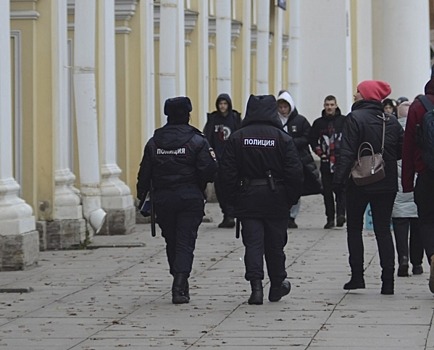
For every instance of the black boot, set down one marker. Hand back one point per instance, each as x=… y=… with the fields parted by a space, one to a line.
x=228 y=222
x=187 y=290
x=356 y=282
x=387 y=287
x=257 y=296
x=388 y=281
x=179 y=288
x=277 y=291
x=403 y=267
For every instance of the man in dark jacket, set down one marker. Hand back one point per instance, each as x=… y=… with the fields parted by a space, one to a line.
x=177 y=162
x=365 y=123
x=298 y=127
x=325 y=139
x=219 y=126
x=412 y=164
x=262 y=177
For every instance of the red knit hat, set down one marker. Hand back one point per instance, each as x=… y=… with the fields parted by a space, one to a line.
x=374 y=90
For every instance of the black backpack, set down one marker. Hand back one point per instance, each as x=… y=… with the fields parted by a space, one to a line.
x=426 y=132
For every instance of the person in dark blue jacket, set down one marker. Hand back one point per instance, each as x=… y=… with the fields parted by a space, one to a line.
x=262 y=177
x=178 y=161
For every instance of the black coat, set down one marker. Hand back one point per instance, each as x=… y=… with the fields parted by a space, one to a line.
x=363 y=125
x=299 y=128
x=325 y=138
x=218 y=127
x=177 y=156
x=258 y=146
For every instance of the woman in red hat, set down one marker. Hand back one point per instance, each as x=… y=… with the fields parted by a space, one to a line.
x=365 y=123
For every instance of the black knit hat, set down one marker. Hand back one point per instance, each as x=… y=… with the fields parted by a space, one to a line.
x=178 y=109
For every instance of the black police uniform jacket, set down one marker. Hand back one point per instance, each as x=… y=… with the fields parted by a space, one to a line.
x=258 y=146
x=178 y=157
x=362 y=124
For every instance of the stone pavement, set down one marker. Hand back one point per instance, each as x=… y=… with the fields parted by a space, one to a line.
x=116 y=295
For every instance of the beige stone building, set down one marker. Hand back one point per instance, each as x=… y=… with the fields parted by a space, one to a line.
x=82 y=83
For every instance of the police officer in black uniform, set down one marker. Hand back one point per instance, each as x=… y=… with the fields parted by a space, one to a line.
x=262 y=176
x=178 y=161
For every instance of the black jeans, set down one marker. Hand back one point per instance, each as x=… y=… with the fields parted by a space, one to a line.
x=179 y=220
x=381 y=207
x=401 y=227
x=423 y=197
x=269 y=237
x=227 y=209
x=330 y=197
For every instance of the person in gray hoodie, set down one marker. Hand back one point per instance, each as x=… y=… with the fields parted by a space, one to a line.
x=404 y=218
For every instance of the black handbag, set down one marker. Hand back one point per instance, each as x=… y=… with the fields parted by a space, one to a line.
x=369 y=169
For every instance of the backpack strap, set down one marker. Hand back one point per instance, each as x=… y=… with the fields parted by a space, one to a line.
x=426 y=102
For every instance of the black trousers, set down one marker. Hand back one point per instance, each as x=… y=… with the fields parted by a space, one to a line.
x=381 y=207
x=227 y=209
x=423 y=197
x=401 y=228
x=179 y=220
x=264 y=237
x=330 y=197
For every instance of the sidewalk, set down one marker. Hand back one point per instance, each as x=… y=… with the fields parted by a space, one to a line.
x=117 y=296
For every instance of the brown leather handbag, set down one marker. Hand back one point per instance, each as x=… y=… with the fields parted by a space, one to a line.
x=369 y=169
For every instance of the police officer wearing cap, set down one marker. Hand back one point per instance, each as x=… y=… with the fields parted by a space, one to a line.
x=262 y=177
x=178 y=161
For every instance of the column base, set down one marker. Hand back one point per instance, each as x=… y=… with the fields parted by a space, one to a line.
x=19 y=251
x=119 y=221
x=63 y=234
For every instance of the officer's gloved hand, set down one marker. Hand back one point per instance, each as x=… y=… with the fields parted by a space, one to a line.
x=144 y=207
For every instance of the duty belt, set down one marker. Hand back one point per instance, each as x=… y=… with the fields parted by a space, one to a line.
x=260 y=182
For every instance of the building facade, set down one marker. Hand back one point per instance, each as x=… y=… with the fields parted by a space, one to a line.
x=82 y=83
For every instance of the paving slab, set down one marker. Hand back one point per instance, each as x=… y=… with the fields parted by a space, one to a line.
x=116 y=294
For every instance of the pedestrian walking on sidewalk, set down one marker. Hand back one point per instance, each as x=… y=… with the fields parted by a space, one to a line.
x=417 y=158
x=178 y=162
x=262 y=177
x=325 y=140
x=366 y=123
x=220 y=124
x=405 y=219
x=298 y=127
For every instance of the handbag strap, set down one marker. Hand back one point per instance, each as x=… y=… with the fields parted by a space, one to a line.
x=383 y=118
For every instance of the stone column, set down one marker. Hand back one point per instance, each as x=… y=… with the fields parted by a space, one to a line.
x=223 y=46
x=401 y=45
x=86 y=113
x=294 y=49
x=168 y=51
x=180 y=43
x=116 y=197
x=19 y=241
x=247 y=50
x=68 y=227
x=203 y=89
x=364 y=37
x=262 y=47
x=148 y=76
x=278 y=48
